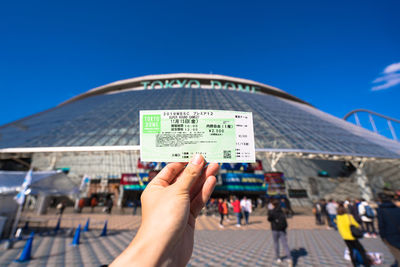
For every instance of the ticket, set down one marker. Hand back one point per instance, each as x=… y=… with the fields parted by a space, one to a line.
x=175 y=135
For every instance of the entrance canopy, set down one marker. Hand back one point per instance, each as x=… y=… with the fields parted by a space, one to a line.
x=45 y=182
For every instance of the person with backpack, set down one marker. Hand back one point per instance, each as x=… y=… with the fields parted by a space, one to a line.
x=278 y=221
x=344 y=222
x=367 y=217
x=353 y=210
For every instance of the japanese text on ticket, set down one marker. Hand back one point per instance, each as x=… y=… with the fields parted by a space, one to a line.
x=175 y=135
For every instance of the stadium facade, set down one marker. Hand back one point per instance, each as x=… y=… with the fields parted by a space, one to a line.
x=96 y=134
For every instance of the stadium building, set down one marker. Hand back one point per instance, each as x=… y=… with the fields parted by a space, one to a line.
x=96 y=135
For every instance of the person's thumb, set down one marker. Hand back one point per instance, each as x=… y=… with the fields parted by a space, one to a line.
x=192 y=172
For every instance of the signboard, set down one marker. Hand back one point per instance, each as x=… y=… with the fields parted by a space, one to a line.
x=192 y=83
x=241 y=181
x=137 y=181
x=297 y=193
x=233 y=177
x=275 y=183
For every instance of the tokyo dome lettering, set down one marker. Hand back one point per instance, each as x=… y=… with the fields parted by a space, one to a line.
x=158 y=84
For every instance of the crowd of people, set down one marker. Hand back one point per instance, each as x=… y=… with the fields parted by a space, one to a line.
x=356 y=218
x=241 y=208
x=352 y=218
x=364 y=213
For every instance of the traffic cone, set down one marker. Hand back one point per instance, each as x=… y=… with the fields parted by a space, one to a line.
x=86 y=228
x=75 y=241
x=104 y=232
x=26 y=252
x=58 y=225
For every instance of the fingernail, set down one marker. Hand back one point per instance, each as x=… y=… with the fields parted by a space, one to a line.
x=197 y=159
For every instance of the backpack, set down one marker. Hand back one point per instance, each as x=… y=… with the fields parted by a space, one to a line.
x=280 y=222
x=369 y=212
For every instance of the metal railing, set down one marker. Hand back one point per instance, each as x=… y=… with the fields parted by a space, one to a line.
x=371 y=115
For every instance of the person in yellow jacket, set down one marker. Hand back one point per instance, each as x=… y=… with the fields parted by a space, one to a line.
x=344 y=220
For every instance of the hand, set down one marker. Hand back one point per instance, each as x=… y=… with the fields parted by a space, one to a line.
x=170 y=204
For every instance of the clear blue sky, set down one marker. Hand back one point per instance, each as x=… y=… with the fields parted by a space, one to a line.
x=327 y=53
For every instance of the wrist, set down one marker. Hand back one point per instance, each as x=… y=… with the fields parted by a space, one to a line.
x=144 y=250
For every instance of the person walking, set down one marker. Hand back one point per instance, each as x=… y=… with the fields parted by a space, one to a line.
x=324 y=213
x=81 y=204
x=223 y=210
x=225 y=207
x=367 y=217
x=230 y=208
x=93 y=203
x=110 y=204
x=60 y=208
x=237 y=210
x=278 y=226
x=246 y=206
x=353 y=210
x=318 y=213
x=344 y=221
x=389 y=225
x=331 y=209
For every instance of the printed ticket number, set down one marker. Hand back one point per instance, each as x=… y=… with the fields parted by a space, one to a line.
x=175 y=135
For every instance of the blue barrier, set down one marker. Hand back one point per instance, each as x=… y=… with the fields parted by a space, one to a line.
x=86 y=228
x=104 y=232
x=75 y=241
x=26 y=252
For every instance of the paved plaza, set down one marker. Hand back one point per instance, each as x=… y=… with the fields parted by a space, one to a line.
x=230 y=246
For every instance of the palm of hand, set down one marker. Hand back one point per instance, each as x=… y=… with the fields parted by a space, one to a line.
x=171 y=204
x=178 y=229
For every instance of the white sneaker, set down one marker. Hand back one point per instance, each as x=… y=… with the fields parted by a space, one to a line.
x=237 y=225
x=221 y=226
x=366 y=235
x=278 y=261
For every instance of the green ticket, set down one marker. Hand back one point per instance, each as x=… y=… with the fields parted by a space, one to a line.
x=175 y=135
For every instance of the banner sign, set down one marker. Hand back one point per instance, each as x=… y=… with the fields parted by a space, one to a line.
x=297 y=193
x=241 y=181
x=234 y=177
x=192 y=83
x=137 y=181
x=275 y=183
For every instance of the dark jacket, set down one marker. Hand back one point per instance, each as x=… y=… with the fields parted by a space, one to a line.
x=277 y=219
x=323 y=209
x=389 y=223
x=353 y=209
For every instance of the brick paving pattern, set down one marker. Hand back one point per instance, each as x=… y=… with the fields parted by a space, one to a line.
x=118 y=221
x=231 y=246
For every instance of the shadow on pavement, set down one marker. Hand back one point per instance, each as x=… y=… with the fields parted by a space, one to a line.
x=297 y=253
